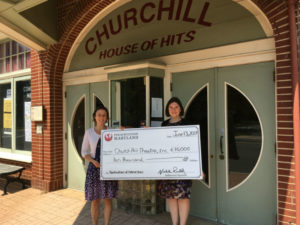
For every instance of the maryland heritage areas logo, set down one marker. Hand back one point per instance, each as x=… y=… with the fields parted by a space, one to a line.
x=121 y=136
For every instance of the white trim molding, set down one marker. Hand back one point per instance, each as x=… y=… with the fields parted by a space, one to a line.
x=16 y=157
x=85 y=76
x=133 y=66
x=30 y=40
x=259 y=15
x=19 y=73
x=236 y=54
x=27 y=4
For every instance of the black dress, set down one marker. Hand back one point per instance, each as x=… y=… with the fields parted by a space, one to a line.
x=178 y=189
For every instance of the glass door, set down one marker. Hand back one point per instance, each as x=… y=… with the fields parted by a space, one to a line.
x=236 y=112
x=246 y=162
x=196 y=90
x=81 y=102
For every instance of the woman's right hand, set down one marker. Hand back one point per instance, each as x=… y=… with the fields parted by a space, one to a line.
x=96 y=164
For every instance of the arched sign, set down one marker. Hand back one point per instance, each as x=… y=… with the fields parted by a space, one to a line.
x=144 y=29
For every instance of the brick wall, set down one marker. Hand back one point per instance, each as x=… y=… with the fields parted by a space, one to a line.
x=47 y=148
x=46 y=81
x=277 y=13
x=67 y=10
x=47 y=70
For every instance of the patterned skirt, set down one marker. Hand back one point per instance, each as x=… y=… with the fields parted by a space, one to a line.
x=178 y=189
x=96 y=188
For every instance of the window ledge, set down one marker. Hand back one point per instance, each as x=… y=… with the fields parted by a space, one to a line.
x=16 y=157
x=17 y=73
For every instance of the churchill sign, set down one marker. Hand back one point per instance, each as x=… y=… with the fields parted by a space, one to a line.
x=147 y=29
x=140 y=29
x=151 y=153
x=149 y=12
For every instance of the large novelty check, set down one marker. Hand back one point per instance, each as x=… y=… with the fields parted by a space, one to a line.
x=151 y=153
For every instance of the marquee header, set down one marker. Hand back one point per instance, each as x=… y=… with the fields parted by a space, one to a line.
x=145 y=14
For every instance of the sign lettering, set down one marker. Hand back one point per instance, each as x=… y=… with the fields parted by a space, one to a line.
x=147 y=13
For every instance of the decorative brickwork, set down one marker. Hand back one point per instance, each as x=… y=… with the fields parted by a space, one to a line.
x=47 y=70
x=277 y=13
x=67 y=10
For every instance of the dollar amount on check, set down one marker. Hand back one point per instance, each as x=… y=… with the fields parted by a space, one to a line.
x=151 y=153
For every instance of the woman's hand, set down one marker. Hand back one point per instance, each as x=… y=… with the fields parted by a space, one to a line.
x=96 y=164
x=89 y=158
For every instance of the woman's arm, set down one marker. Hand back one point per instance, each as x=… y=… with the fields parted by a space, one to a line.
x=85 y=150
x=89 y=158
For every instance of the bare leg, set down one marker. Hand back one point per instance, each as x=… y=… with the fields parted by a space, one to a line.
x=173 y=204
x=107 y=210
x=95 y=211
x=184 y=209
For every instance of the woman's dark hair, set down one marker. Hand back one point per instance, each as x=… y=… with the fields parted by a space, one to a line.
x=174 y=99
x=100 y=108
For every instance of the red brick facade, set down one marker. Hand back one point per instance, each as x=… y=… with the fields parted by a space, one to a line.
x=47 y=70
x=47 y=153
x=278 y=15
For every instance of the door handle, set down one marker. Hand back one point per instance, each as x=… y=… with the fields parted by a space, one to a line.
x=221 y=156
x=221 y=145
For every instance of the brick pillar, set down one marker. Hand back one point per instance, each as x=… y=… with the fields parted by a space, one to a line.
x=47 y=148
x=277 y=12
x=46 y=81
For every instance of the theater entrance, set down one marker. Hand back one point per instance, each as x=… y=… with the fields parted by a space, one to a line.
x=235 y=109
x=134 y=99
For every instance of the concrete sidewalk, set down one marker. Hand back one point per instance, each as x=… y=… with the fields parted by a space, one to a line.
x=66 y=206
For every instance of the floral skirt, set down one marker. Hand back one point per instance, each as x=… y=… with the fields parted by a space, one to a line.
x=96 y=188
x=178 y=189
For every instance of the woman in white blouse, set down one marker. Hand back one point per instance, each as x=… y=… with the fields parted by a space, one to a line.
x=96 y=189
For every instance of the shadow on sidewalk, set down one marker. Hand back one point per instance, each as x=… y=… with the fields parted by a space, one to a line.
x=122 y=218
x=12 y=187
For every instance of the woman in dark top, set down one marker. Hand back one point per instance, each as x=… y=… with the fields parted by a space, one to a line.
x=178 y=192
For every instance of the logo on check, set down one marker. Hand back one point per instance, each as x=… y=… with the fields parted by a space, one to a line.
x=108 y=137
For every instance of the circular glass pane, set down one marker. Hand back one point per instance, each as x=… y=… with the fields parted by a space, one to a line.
x=197 y=114
x=244 y=137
